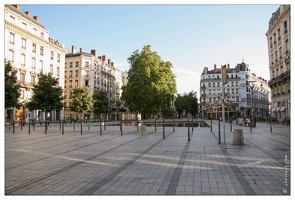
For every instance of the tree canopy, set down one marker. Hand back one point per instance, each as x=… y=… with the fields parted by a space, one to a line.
x=81 y=102
x=11 y=87
x=151 y=85
x=100 y=101
x=187 y=102
x=47 y=95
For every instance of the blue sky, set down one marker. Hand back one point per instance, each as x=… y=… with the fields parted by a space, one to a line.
x=190 y=36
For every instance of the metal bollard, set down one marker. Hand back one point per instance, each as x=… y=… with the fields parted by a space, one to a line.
x=104 y=124
x=211 y=124
x=231 y=126
x=81 y=126
x=173 y=125
x=100 y=125
x=29 y=126
x=121 y=128
x=13 y=126
x=163 y=128
x=155 y=124
x=62 y=128
x=219 y=139
x=192 y=124
x=188 y=131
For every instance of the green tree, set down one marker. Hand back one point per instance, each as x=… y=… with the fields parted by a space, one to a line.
x=47 y=95
x=151 y=86
x=11 y=87
x=187 y=102
x=100 y=102
x=81 y=102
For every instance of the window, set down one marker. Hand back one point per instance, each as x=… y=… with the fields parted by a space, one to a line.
x=77 y=63
x=41 y=35
x=86 y=83
x=51 y=55
x=76 y=73
x=24 y=25
x=71 y=64
x=285 y=26
x=274 y=38
x=270 y=42
x=71 y=74
x=76 y=83
x=237 y=91
x=65 y=65
x=12 y=19
x=65 y=84
x=32 y=79
x=11 y=55
x=24 y=41
x=35 y=31
x=34 y=46
x=11 y=38
x=280 y=52
x=70 y=83
x=23 y=59
x=41 y=50
x=287 y=46
x=87 y=64
x=33 y=63
x=279 y=34
x=51 y=69
x=22 y=78
x=41 y=65
x=57 y=71
x=58 y=57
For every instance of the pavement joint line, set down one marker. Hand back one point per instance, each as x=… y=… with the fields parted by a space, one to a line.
x=117 y=171
x=32 y=181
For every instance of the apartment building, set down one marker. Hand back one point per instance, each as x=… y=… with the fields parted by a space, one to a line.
x=238 y=93
x=279 y=51
x=95 y=72
x=30 y=50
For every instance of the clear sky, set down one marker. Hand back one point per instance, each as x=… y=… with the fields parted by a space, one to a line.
x=190 y=36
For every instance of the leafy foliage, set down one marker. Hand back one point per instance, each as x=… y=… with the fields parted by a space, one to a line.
x=47 y=96
x=100 y=101
x=11 y=87
x=151 y=86
x=187 y=102
x=81 y=101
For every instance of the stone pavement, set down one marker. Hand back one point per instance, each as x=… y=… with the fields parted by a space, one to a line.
x=115 y=164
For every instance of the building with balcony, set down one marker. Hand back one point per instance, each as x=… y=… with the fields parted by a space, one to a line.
x=238 y=93
x=95 y=72
x=279 y=51
x=30 y=50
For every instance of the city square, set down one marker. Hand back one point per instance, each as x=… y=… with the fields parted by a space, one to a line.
x=130 y=164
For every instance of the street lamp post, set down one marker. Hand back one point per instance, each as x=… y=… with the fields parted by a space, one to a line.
x=252 y=120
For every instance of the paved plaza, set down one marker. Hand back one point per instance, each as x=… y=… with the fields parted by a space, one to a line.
x=130 y=164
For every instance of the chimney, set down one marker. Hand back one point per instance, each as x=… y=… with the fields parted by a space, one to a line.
x=36 y=18
x=93 y=52
x=214 y=67
x=99 y=57
x=227 y=66
x=112 y=64
x=103 y=58
x=109 y=61
x=80 y=50
x=28 y=13
x=17 y=6
x=73 y=49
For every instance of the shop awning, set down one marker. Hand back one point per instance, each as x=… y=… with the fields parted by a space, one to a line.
x=283 y=109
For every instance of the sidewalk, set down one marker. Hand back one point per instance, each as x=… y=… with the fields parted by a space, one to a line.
x=111 y=164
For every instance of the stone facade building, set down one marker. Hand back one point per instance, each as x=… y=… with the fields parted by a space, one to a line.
x=95 y=72
x=279 y=51
x=30 y=51
x=238 y=93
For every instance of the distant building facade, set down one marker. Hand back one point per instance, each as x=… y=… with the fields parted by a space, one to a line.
x=30 y=50
x=279 y=51
x=95 y=72
x=238 y=94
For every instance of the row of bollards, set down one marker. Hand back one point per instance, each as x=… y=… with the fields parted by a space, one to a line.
x=102 y=123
